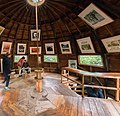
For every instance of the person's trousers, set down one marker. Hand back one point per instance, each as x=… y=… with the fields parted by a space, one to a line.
x=20 y=70
x=6 y=79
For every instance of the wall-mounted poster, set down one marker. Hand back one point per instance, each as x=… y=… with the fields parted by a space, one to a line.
x=21 y=48
x=112 y=44
x=65 y=47
x=35 y=35
x=93 y=16
x=1 y=29
x=49 y=47
x=39 y=59
x=35 y=50
x=85 y=45
x=72 y=63
x=6 y=47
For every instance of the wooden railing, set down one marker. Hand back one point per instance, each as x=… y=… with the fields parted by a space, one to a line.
x=83 y=74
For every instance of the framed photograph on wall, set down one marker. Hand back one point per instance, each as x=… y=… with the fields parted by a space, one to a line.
x=35 y=35
x=1 y=65
x=49 y=47
x=1 y=29
x=39 y=59
x=33 y=50
x=85 y=45
x=112 y=44
x=65 y=47
x=6 y=47
x=72 y=63
x=21 y=48
x=95 y=17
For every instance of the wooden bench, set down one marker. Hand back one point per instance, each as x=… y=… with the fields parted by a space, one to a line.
x=83 y=74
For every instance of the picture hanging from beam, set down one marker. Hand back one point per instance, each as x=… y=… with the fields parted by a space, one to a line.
x=95 y=17
x=35 y=50
x=85 y=45
x=35 y=36
x=112 y=44
x=6 y=47
x=1 y=29
x=21 y=48
x=65 y=47
x=49 y=47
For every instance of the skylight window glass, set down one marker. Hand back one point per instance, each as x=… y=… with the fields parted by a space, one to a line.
x=33 y=2
x=37 y=1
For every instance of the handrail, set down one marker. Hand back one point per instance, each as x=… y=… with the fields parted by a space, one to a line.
x=83 y=74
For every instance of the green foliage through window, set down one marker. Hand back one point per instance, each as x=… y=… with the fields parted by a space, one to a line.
x=17 y=57
x=50 y=58
x=95 y=60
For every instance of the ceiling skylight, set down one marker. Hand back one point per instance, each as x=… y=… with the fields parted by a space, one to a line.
x=33 y=2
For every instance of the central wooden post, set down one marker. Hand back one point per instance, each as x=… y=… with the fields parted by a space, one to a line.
x=39 y=80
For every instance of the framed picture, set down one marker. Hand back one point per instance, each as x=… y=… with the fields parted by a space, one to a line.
x=1 y=65
x=33 y=50
x=39 y=59
x=21 y=48
x=85 y=45
x=65 y=47
x=112 y=44
x=49 y=47
x=93 y=16
x=35 y=35
x=72 y=63
x=1 y=29
x=6 y=47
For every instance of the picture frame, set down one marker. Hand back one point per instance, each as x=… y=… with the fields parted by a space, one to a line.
x=94 y=17
x=85 y=45
x=39 y=59
x=72 y=63
x=1 y=65
x=21 y=48
x=65 y=47
x=1 y=29
x=49 y=47
x=112 y=44
x=35 y=36
x=6 y=47
x=33 y=50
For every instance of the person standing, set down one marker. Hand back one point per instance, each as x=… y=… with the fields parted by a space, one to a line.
x=6 y=69
x=20 y=65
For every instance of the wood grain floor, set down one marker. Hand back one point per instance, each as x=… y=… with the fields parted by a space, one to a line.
x=55 y=100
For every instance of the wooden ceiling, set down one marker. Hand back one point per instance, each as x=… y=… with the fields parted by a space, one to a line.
x=56 y=18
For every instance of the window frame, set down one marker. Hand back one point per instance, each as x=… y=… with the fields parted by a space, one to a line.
x=50 y=55
x=91 y=64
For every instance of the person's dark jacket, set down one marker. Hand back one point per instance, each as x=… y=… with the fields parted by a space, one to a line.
x=25 y=64
x=6 y=65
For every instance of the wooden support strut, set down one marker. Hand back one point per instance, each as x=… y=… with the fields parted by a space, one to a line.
x=82 y=85
x=118 y=89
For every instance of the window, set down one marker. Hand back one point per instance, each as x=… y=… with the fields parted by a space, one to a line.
x=50 y=58
x=94 y=60
x=17 y=58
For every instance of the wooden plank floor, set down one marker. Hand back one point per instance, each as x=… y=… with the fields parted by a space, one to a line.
x=55 y=100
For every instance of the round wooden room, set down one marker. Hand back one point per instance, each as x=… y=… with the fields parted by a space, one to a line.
x=59 y=57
